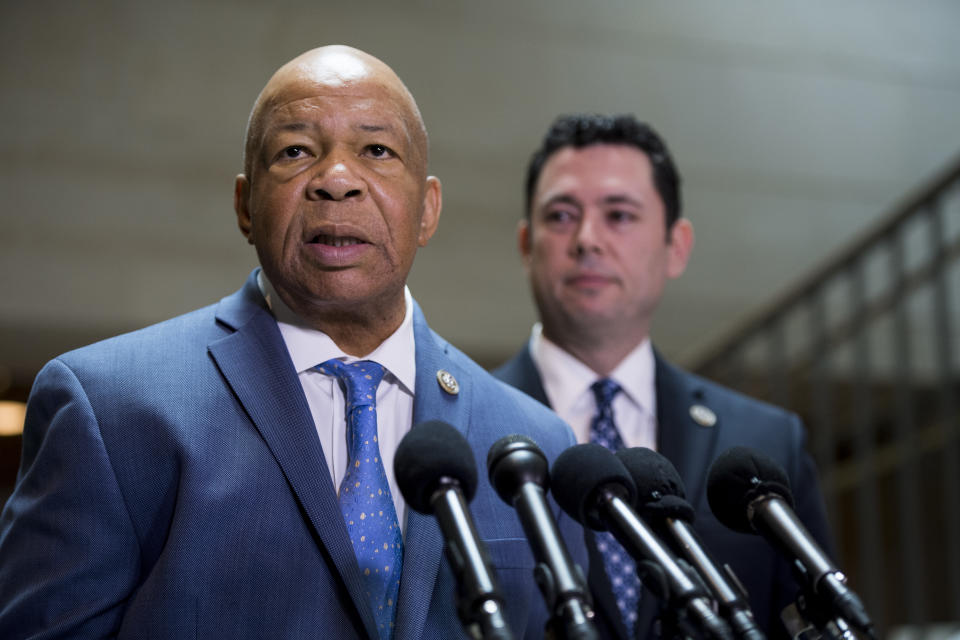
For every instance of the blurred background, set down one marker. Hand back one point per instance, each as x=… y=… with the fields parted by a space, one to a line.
x=819 y=144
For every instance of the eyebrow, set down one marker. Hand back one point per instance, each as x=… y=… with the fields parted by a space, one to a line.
x=373 y=128
x=562 y=198
x=616 y=198
x=622 y=198
x=303 y=126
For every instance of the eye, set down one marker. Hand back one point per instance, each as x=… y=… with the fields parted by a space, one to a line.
x=618 y=216
x=558 y=217
x=379 y=151
x=293 y=152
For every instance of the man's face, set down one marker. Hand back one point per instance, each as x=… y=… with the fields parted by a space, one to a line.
x=596 y=248
x=337 y=201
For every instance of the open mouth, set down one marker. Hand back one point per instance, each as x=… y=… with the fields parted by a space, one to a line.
x=336 y=241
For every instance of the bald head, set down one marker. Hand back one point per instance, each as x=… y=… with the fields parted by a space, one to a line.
x=336 y=68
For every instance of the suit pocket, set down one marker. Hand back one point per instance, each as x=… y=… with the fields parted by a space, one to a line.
x=522 y=605
x=510 y=553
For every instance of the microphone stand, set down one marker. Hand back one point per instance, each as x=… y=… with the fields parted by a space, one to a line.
x=809 y=619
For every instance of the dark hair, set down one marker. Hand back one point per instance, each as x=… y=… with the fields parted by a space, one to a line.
x=582 y=130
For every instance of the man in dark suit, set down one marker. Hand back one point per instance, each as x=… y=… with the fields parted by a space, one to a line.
x=228 y=473
x=601 y=236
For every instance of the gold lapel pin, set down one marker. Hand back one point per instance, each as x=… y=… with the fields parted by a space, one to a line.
x=447 y=382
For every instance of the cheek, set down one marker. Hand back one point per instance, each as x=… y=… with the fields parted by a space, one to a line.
x=275 y=219
x=550 y=254
x=401 y=213
x=650 y=272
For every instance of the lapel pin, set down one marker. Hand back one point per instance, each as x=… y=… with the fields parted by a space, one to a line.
x=703 y=416
x=447 y=382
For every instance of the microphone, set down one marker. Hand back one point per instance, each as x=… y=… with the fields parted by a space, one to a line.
x=591 y=485
x=437 y=475
x=519 y=473
x=661 y=501
x=750 y=493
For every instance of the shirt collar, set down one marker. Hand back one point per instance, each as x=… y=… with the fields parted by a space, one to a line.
x=566 y=379
x=309 y=347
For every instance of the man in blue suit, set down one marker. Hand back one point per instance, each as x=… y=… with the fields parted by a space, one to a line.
x=602 y=235
x=194 y=479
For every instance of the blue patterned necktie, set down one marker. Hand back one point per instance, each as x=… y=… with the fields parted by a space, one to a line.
x=620 y=566
x=365 y=498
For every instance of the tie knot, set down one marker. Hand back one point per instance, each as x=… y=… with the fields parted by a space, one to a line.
x=604 y=390
x=360 y=378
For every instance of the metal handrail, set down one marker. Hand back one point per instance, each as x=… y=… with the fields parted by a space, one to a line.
x=918 y=199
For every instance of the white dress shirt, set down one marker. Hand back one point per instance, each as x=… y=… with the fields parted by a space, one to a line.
x=397 y=354
x=567 y=381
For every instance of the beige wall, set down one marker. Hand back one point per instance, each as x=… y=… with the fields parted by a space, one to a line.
x=794 y=124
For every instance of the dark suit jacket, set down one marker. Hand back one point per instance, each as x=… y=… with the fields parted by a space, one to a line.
x=692 y=448
x=173 y=486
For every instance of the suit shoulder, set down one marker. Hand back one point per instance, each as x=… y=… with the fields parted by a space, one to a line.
x=162 y=335
x=511 y=371
x=714 y=394
x=498 y=403
x=499 y=392
x=740 y=418
x=179 y=343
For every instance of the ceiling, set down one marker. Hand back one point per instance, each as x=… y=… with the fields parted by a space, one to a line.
x=795 y=126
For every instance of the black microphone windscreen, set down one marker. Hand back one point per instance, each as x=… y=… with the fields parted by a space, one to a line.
x=739 y=476
x=660 y=492
x=577 y=475
x=431 y=451
x=514 y=460
x=654 y=475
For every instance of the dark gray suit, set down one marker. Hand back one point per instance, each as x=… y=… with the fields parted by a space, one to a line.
x=692 y=448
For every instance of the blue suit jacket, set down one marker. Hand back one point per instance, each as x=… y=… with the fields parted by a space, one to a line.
x=173 y=486
x=692 y=448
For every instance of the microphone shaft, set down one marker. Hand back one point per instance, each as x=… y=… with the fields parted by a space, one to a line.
x=643 y=545
x=696 y=555
x=638 y=539
x=772 y=515
x=544 y=538
x=567 y=598
x=774 y=518
x=479 y=597
x=732 y=603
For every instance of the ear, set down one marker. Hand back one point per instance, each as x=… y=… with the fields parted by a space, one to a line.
x=241 y=204
x=681 y=244
x=432 y=203
x=524 y=240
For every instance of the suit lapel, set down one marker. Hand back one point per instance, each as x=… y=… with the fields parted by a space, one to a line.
x=687 y=444
x=521 y=373
x=255 y=363
x=423 y=541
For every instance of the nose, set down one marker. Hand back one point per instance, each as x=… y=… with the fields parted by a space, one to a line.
x=586 y=238
x=335 y=179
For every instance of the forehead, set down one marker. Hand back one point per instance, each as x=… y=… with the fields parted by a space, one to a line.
x=307 y=99
x=595 y=170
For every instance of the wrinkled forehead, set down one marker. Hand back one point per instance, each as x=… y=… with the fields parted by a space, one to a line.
x=363 y=94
